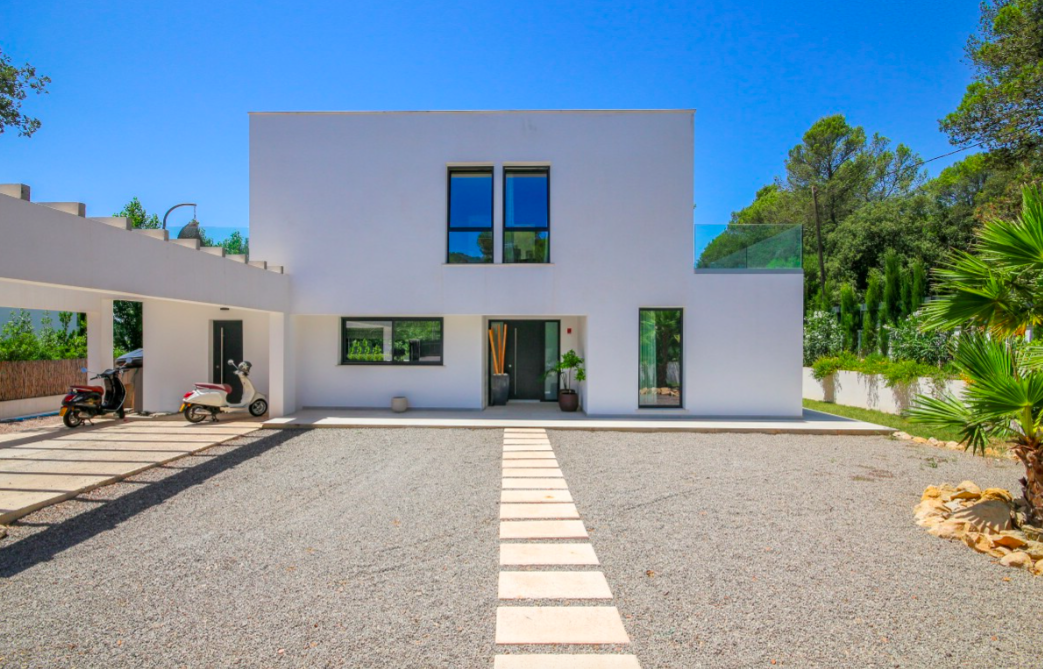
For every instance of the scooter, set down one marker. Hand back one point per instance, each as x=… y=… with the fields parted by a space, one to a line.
x=86 y=402
x=210 y=399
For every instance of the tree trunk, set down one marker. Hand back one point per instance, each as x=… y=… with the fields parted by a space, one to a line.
x=1032 y=484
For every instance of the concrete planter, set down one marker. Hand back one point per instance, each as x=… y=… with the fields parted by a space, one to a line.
x=870 y=391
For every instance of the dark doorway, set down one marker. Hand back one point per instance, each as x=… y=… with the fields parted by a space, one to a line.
x=532 y=348
x=228 y=345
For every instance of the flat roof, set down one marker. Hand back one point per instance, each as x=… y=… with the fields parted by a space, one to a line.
x=490 y=111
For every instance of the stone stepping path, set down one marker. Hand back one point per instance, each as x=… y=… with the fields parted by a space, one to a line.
x=539 y=528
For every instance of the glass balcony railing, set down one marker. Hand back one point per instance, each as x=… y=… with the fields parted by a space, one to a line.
x=748 y=247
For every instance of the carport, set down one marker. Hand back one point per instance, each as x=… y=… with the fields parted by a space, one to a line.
x=53 y=257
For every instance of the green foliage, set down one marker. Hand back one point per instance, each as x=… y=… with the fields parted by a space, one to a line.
x=848 y=314
x=895 y=372
x=822 y=336
x=871 y=318
x=19 y=341
x=127 y=325
x=908 y=340
x=236 y=244
x=15 y=84
x=1002 y=106
x=139 y=218
x=570 y=365
x=892 y=287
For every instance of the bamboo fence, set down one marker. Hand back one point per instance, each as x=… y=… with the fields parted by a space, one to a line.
x=39 y=378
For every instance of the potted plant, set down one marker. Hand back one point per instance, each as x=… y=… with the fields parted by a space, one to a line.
x=499 y=386
x=570 y=363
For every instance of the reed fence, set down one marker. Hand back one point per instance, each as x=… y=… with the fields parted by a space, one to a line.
x=39 y=378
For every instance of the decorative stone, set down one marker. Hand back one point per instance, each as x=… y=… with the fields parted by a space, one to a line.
x=1018 y=560
x=933 y=442
x=902 y=435
x=929 y=507
x=950 y=529
x=954 y=446
x=919 y=440
x=931 y=492
x=1034 y=549
x=1009 y=540
x=1038 y=571
x=967 y=490
x=991 y=515
x=997 y=493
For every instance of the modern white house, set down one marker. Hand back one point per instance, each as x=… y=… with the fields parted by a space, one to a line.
x=398 y=239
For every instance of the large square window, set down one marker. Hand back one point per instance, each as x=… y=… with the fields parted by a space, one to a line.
x=391 y=341
x=526 y=215
x=470 y=215
x=660 y=369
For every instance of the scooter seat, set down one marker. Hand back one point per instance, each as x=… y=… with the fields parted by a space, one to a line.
x=89 y=389
x=215 y=386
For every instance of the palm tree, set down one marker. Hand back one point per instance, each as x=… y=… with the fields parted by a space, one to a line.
x=995 y=295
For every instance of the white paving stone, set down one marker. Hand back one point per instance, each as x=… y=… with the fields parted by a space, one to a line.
x=531 y=555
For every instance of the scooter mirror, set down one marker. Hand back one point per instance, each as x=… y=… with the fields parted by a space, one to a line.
x=83 y=370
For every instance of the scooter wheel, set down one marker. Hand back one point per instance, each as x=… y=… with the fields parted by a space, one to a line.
x=195 y=413
x=259 y=408
x=72 y=419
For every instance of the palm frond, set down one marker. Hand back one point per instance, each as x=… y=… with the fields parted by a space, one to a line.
x=951 y=413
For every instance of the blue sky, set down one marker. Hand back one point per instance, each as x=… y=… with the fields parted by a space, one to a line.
x=151 y=99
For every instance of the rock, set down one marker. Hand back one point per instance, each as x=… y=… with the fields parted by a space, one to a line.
x=931 y=492
x=954 y=446
x=978 y=541
x=953 y=505
x=932 y=441
x=902 y=435
x=929 y=507
x=1038 y=571
x=967 y=490
x=1034 y=549
x=999 y=551
x=919 y=440
x=950 y=529
x=1009 y=540
x=1018 y=560
x=997 y=493
x=991 y=515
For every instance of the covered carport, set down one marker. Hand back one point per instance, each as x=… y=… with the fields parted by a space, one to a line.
x=53 y=257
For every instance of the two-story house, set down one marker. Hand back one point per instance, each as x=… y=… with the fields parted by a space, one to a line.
x=407 y=235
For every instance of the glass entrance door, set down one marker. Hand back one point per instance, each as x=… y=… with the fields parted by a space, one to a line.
x=532 y=348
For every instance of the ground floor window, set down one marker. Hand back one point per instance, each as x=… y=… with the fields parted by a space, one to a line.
x=660 y=357
x=391 y=341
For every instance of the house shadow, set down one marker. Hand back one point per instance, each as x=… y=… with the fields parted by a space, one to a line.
x=44 y=545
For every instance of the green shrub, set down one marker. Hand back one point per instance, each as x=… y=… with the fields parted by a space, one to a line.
x=822 y=336
x=907 y=341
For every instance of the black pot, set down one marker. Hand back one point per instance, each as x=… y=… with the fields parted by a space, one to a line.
x=568 y=400
x=500 y=387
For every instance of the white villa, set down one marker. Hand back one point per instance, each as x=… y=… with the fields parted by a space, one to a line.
x=393 y=241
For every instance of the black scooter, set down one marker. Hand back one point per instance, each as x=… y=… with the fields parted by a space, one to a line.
x=86 y=402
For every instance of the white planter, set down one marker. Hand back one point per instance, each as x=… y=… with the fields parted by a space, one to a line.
x=870 y=391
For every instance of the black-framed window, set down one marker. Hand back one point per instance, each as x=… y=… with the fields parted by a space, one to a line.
x=469 y=227
x=661 y=358
x=526 y=214
x=391 y=341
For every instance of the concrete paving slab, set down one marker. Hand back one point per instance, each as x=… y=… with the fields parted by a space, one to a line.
x=518 y=449
x=542 y=529
x=553 y=585
x=534 y=484
x=59 y=465
x=532 y=555
x=509 y=472
x=529 y=455
x=532 y=464
x=585 y=661
x=535 y=496
x=534 y=511
x=559 y=624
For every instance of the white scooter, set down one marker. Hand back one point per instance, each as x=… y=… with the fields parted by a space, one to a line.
x=209 y=399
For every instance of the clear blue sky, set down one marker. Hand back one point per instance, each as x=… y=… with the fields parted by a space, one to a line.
x=151 y=98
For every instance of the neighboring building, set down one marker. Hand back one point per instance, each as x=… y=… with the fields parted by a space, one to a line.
x=407 y=234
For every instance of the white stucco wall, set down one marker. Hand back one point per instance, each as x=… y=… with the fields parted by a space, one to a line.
x=177 y=344
x=870 y=391
x=355 y=203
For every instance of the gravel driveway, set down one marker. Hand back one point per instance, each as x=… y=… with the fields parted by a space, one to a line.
x=739 y=550
x=371 y=548
x=378 y=548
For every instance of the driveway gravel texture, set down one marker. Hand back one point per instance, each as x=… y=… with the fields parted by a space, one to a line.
x=737 y=550
x=341 y=548
x=378 y=548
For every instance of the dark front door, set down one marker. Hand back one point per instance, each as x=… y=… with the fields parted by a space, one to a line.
x=525 y=359
x=228 y=345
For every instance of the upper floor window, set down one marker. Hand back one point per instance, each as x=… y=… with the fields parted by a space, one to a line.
x=526 y=214
x=470 y=225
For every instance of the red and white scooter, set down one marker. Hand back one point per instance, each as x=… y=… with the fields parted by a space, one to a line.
x=210 y=399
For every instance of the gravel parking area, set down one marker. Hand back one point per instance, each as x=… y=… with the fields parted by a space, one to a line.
x=350 y=548
x=753 y=550
x=378 y=548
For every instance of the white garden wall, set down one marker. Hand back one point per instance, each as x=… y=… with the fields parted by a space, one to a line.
x=870 y=391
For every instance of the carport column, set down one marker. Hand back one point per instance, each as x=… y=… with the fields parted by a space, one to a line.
x=99 y=337
x=282 y=397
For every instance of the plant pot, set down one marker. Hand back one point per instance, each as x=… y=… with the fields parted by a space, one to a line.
x=500 y=388
x=399 y=404
x=568 y=400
